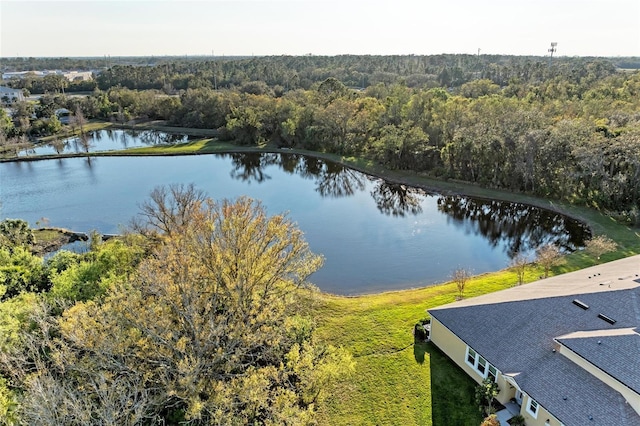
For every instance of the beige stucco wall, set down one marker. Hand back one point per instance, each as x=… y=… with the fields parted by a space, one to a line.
x=456 y=349
x=541 y=419
x=632 y=398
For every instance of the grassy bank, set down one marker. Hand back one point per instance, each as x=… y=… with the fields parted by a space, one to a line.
x=91 y=126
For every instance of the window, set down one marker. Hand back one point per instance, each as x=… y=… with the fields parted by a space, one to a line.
x=532 y=408
x=471 y=356
x=493 y=373
x=481 y=365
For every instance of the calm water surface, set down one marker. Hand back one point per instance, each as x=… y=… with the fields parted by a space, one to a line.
x=106 y=140
x=374 y=235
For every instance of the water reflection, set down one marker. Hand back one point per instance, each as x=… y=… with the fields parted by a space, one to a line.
x=520 y=228
x=396 y=199
x=105 y=140
x=331 y=179
x=250 y=167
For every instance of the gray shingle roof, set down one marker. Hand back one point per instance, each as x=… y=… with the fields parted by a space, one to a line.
x=518 y=338
x=618 y=355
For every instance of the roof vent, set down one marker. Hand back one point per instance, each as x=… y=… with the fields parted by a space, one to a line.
x=606 y=318
x=580 y=304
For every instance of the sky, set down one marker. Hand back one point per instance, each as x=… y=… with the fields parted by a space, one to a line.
x=319 y=27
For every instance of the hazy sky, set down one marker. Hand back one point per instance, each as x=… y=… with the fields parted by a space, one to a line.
x=319 y=27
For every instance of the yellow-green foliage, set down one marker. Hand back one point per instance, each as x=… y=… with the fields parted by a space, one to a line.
x=8 y=405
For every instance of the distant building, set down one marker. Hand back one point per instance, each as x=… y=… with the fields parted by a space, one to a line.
x=69 y=75
x=9 y=95
x=78 y=75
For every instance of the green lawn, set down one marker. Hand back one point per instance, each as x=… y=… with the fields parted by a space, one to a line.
x=397 y=382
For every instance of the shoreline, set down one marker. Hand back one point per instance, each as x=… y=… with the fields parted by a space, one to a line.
x=591 y=218
x=426 y=183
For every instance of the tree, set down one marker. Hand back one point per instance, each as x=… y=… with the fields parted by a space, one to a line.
x=207 y=331
x=21 y=271
x=519 y=263
x=85 y=142
x=485 y=392
x=16 y=232
x=597 y=246
x=548 y=256
x=58 y=145
x=78 y=120
x=460 y=276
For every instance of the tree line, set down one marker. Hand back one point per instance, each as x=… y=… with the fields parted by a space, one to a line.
x=569 y=130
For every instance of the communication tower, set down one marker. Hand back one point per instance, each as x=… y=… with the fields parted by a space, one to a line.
x=552 y=51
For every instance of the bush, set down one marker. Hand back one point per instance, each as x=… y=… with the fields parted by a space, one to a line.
x=490 y=420
x=517 y=420
x=419 y=332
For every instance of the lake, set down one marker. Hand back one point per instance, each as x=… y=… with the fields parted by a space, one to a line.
x=374 y=235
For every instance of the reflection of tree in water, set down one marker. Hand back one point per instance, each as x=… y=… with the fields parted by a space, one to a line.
x=154 y=137
x=335 y=180
x=311 y=167
x=96 y=135
x=396 y=199
x=124 y=139
x=249 y=167
x=332 y=179
x=522 y=227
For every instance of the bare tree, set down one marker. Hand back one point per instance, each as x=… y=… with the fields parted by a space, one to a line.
x=548 y=256
x=73 y=387
x=208 y=329
x=460 y=276
x=597 y=246
x=58 y=145
x=77 y=121
x=519 y=264
x=85 y=142
x=169 y=210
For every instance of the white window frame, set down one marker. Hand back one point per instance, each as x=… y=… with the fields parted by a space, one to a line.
x=494 y=374
x=480 y=367
x=475 y=356
x=533 y=412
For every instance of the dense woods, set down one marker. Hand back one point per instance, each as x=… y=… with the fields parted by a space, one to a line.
x=567 y=129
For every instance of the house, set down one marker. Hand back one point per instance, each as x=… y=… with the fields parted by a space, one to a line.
x=9 y=95
x=563 y=350
x=78 y=75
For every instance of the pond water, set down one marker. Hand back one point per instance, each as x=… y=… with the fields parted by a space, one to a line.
x=374 y=235
x=105 y=140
